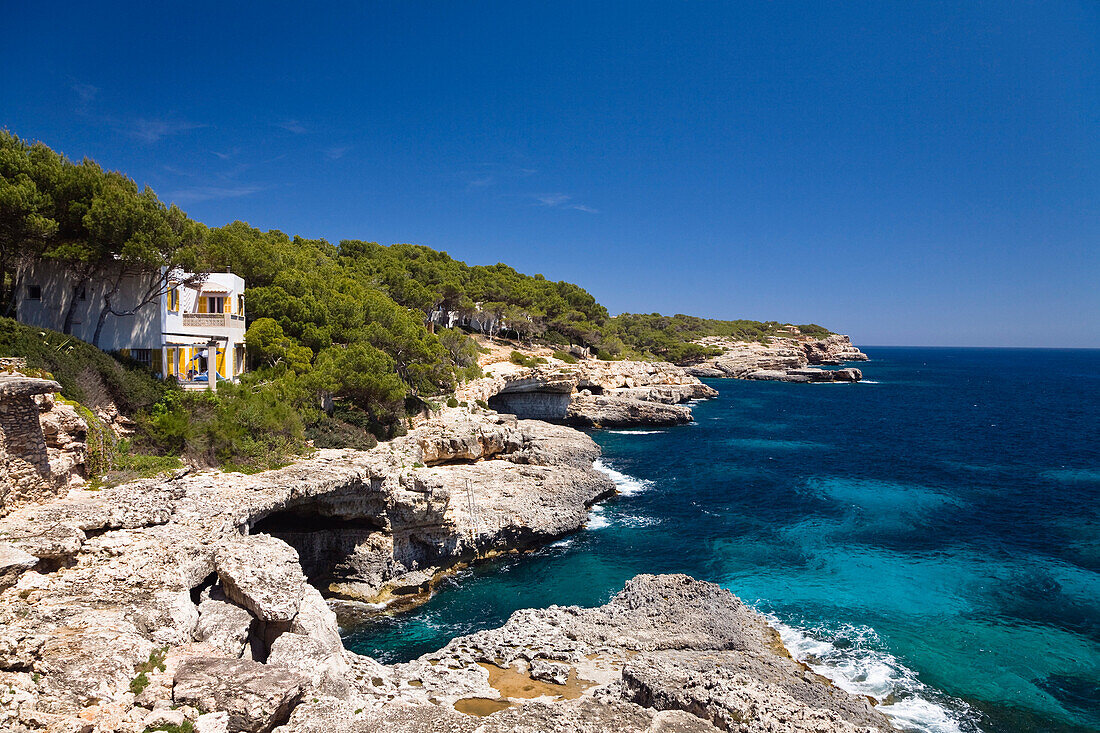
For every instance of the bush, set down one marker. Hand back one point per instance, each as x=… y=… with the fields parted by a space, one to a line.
x=452 y=402
x=332 y=432
x=86 y=375
x=565 y=356
x=526 y=361
x=245 y=427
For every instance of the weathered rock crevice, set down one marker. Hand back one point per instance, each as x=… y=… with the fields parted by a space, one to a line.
x=782 y=359
x=592 y=393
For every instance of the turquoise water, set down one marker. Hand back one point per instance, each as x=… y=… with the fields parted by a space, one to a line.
x=930 y=537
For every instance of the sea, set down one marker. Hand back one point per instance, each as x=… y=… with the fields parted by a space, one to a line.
x=929 y=537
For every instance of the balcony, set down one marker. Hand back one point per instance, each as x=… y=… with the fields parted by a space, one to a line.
x=213 y=320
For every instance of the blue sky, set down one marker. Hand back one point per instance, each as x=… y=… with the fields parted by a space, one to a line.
x=909 y=173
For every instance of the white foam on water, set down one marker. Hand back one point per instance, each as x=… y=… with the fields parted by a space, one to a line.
x=626 y=485
x=636 y=432
x=856 y=666
x=634 y=520
x=867 y=381
x=596 y=519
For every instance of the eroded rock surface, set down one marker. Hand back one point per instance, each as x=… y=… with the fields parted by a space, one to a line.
x=783 y=359
x=106 y=595
x=667 y=653
x=198 y=599
x=591 y=392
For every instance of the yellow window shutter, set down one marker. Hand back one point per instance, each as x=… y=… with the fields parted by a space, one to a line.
x=221 y=363
x=202 y=304
x=156 y=361
x=228 y=305
x=170 y=361
x=183 y=361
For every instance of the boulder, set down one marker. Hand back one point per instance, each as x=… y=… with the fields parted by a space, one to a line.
x=257 y=697
x=224 y=626
x=13 y=563
x=262 y=574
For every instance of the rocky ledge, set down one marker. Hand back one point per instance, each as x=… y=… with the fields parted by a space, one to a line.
x=591 y=393
x=667 y=653
x=784 y=359
x=221 y=575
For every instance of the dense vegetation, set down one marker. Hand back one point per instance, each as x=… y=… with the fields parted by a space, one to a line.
x=343 y=339
x=672 y=338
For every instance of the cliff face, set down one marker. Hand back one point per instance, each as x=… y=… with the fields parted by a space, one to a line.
x=782 y=359
x=591 y=393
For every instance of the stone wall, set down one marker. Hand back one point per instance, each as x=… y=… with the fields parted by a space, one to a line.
x=25 y=474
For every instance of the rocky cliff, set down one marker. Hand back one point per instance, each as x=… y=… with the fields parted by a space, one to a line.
x=591 y=392
x=782 y=359
x=201 y=598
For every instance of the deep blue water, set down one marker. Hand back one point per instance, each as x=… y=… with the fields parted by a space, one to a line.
x=930 y=536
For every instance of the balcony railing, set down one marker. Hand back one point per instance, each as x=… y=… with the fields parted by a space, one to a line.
x=213 y=320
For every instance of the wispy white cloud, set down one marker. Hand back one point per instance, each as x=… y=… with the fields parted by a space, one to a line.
x=293 y=126
x=481 y=182
x=551 y=199
x=151 y=130
x=206 y=193
x=231 y=153
x=337 y=151
x=487 y=175
x=562 y=201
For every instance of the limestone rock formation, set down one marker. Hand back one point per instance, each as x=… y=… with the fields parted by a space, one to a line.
x=667 y=653
x=197 y=598
x=96 y=584
x=784 y=359
x=591 y=392
x=256 y=696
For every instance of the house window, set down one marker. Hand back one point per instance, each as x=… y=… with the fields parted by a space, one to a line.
x=174 y=299
x=215 y=303
x=34 y=292
x=240 y=305
x=142 y=356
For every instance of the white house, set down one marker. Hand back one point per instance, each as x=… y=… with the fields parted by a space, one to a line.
x=184 y=333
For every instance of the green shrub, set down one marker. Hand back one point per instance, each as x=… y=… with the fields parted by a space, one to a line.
x=452 y=402
x=246 y=427
x=330 y=431
x=526 y=361
x=565 y=356
x=185 y=727
x=482 y=404
x=139 y=683
x=86 y=374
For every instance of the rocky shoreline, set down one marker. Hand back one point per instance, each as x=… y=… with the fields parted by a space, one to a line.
x=782 y=359
x=591 y=393
x=207 y=601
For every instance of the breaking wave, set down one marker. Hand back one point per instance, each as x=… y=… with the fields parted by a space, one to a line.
x=625 y=484
x=852 y=658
